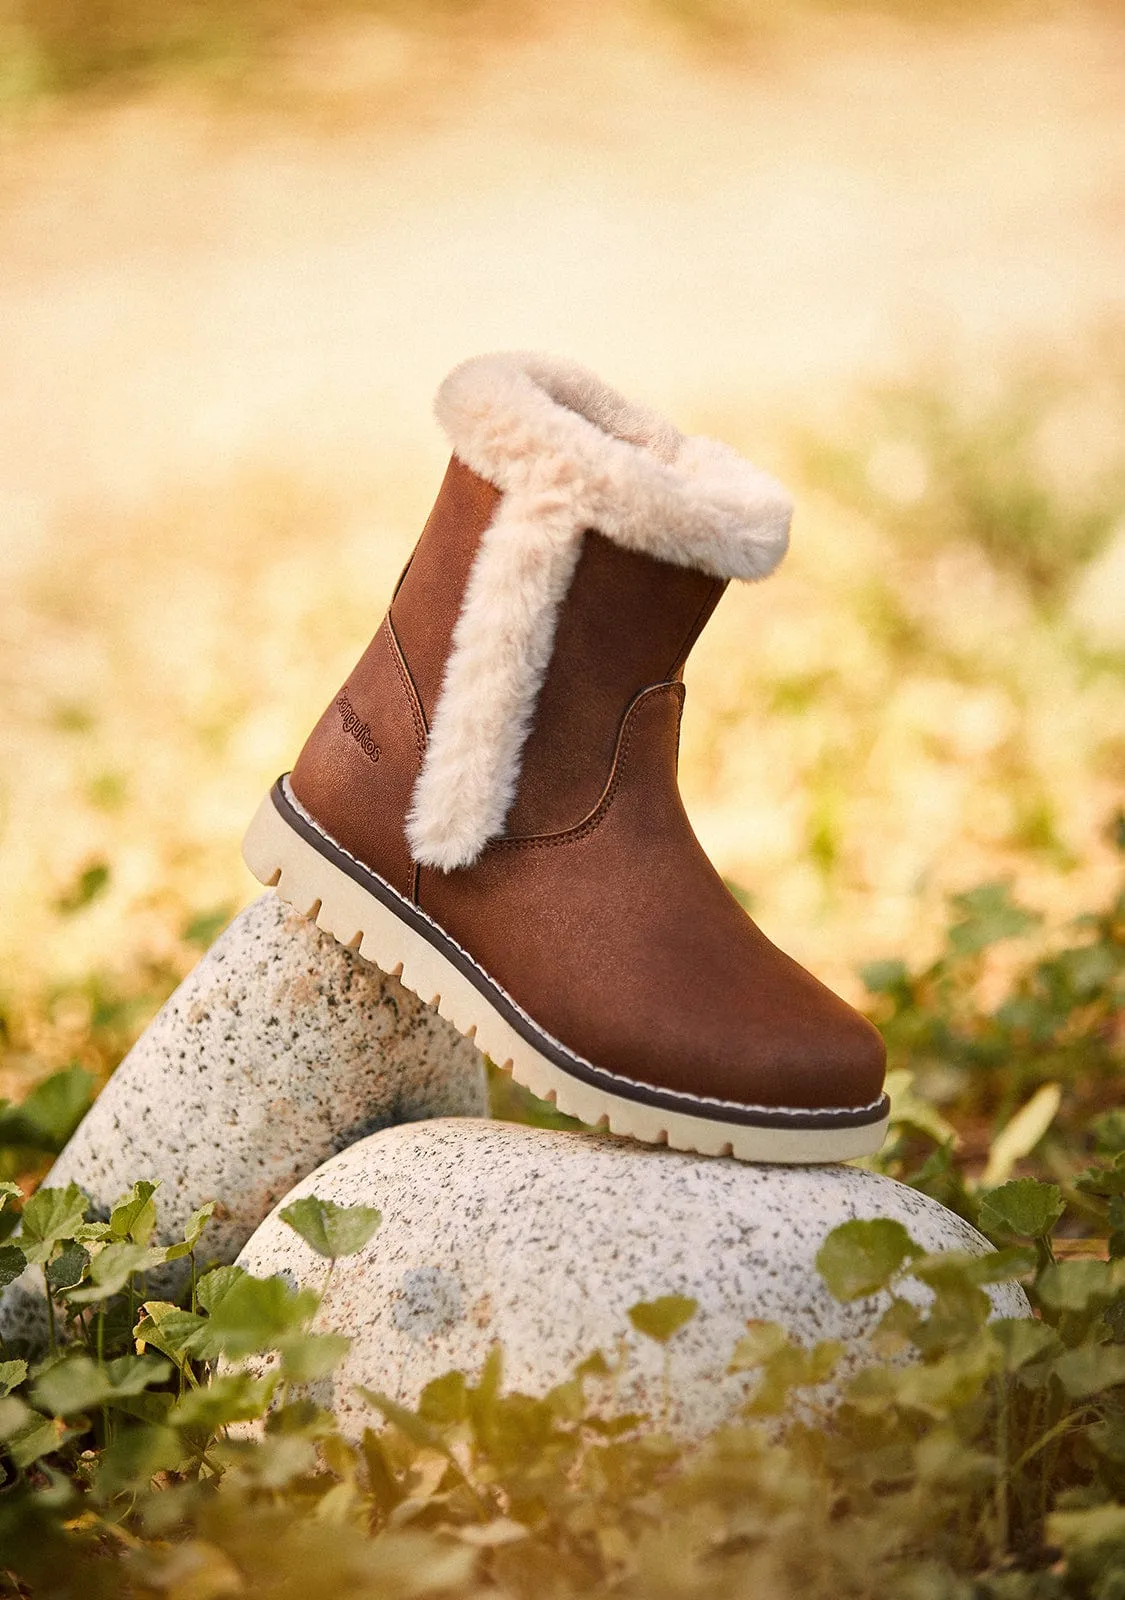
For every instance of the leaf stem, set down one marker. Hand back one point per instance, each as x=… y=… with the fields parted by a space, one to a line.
x=52 y=1337
x=1004 y=1474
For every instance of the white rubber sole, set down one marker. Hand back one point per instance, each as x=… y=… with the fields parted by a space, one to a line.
x=307 y=879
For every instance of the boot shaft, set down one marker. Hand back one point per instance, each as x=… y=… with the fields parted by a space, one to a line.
x=628 y=621
x=540 y=600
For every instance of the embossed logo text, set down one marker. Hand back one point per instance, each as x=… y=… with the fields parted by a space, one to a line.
x=359 y=731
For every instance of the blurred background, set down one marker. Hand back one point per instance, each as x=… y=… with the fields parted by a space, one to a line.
x=878 y=248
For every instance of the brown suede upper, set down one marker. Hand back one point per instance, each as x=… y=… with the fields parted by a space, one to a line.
x=598 y=911
x=652 y=613
x=362 y=803
x=428 y=597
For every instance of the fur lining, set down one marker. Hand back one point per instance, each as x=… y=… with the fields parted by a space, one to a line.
x=568 y=453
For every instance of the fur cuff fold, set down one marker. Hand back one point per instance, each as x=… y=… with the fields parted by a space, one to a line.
x=568 y=454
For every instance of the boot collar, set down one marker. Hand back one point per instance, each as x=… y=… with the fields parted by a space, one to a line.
x=568 y=454
x=551 y=431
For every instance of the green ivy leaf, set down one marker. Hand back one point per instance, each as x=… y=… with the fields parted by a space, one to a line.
x=133 y=1374
x=93 y=1233
x=594 y=1366
x=959 y=1311
x=205 y=926
x=1095 y=1531
x=255 y=1313
x=860 y=1258
x=153 y=1405
x=444 y=1400
x=896 y=1329
x=14 y=1412
x=134 y=1215
x=216 y=1284
x=11 y=1373
x=760 y=1342
x=111 y=1269
x=178 y=1334
x=792 y=1366
x=28 y=1434
x=233 y=1397
x=78 y=1383
x=988 y=914
x=414 y=1426
x=193 y=1232
x=939 y=1177
x=130 y=1462
x=277 y=1461
x=68 y=1268
x=968 y=1267
x=49 y=1216
x=944 y=1461
x=75 y=1383
x=1022 y=1341
x=50 y=1113
x=1091 y=1368
x=308 y=1357
x=660 y=1319
x=958 y=1379
x=1117 y=1227
x=1024 y=1208
x=12 y=1263
x=886 y=977
x=332 y=1230
x=566 y=1400
x=1109 y=1132
x=1107 y=1182
x=1080 y=1285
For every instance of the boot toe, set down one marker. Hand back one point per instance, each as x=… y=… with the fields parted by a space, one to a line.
x=846 y=1067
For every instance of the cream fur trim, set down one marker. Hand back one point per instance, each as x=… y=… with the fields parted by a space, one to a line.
x=569 y=454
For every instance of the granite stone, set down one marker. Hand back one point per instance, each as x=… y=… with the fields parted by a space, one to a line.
x=542 y=1241
x=279 y=1049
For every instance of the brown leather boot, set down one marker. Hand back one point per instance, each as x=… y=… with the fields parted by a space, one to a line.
x=489 y=805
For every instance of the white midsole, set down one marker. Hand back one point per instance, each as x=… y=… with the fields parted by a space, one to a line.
x=278 y=856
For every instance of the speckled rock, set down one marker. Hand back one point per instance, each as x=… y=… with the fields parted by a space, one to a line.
x=542 y=1241
x=279 y=1049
